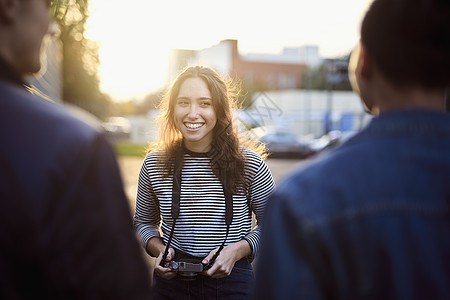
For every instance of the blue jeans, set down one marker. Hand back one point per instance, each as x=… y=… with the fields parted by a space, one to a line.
x=238 y=285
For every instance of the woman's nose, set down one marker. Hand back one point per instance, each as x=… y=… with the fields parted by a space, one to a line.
x=193 y=111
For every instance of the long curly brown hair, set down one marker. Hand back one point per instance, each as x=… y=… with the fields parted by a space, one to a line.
x=227 y=160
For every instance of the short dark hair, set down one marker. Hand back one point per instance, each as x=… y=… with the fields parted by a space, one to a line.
x=410 y=40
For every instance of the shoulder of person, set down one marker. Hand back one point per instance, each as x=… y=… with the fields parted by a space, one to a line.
x=250 y=153
x=154 y=154
x=51 y=120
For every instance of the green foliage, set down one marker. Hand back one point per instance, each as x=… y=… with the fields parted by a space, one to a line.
x=151 y=101
x=80 y=57
x=315 y=78
x=129 y=149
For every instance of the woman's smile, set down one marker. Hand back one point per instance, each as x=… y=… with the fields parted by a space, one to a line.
x=194 y=114
x=193 y=125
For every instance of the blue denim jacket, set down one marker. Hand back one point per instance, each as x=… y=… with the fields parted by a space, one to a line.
x=370 y=220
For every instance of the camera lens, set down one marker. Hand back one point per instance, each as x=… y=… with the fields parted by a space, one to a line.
x=187 y=276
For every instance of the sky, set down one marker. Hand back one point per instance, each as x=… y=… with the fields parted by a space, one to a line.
x=135 y=36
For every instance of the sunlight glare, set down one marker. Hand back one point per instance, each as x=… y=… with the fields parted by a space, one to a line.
x=132 y=62
x=135 y=37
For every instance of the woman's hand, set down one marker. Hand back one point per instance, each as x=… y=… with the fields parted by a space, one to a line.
x=165 y=272
x=224 y=263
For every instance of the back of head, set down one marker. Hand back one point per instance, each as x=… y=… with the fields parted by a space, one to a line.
x=410 y=41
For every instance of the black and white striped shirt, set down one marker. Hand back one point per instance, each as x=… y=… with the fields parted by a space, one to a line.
x=200 y=227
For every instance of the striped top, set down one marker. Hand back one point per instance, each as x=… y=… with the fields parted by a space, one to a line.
x=200 y=227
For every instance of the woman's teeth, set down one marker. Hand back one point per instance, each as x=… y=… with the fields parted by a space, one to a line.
x=193 y=125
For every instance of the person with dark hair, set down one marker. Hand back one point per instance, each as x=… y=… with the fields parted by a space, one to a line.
x=66 y=229
x=203 y=181
x=371 y=219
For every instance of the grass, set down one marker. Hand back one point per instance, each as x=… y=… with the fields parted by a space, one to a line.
x=130 y=149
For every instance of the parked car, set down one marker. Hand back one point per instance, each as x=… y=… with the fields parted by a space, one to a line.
x=117 y=128
x=282 y=143
x=330 y=140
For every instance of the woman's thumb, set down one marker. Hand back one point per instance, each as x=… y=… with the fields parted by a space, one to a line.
x=207 y=259
x=170 y=254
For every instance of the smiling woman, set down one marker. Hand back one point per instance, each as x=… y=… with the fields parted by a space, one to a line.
x=194 y=114
x=220 y=182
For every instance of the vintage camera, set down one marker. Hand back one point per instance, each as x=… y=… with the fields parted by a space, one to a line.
x=187 y=269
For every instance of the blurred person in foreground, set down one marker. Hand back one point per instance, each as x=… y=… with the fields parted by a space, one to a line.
x=65 y=225
x=371 y=220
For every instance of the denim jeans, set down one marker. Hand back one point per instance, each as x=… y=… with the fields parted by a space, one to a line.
x=238 y=285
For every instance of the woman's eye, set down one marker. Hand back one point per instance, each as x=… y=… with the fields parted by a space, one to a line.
x=182 y=102
x=205 y=103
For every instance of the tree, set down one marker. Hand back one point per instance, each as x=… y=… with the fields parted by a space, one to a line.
x=80 y=82
x=151 y=101
x=315 y=78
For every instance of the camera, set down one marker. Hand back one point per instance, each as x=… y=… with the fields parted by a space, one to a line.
x=187 y=269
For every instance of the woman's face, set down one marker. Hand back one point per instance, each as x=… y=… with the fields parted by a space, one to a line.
x=194 y=114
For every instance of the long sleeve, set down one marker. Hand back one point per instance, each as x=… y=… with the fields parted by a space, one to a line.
x=201 y=223
x=147 y=217
x=261 y=188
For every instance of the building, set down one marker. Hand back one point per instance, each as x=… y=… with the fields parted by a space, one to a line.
x=337 y=73
x=306 y=112
x=256 y=71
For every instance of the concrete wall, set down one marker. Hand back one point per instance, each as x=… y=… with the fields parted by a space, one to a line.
x=143 y=128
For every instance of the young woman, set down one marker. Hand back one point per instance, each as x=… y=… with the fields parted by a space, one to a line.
x=203 y=182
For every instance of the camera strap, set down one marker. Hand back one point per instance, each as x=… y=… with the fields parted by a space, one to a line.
x=175 y=208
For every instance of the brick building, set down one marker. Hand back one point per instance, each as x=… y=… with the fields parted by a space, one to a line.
x=257 y=71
